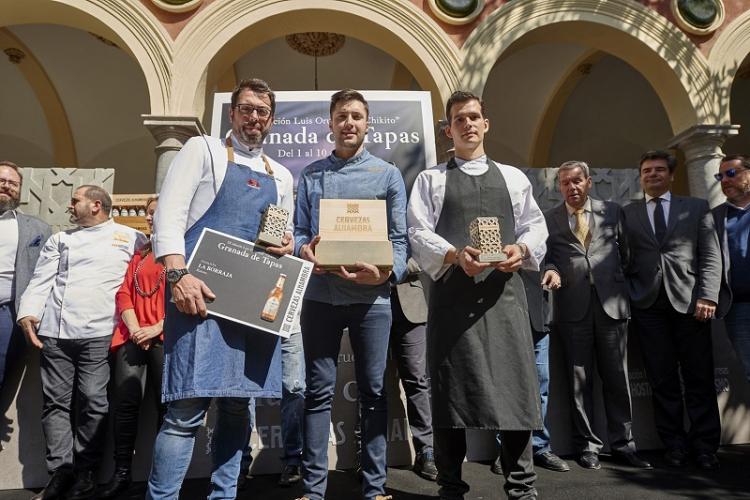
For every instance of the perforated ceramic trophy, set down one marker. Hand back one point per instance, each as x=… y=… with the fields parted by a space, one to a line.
x=484 y=233
x=353 y=231
x=272 y=226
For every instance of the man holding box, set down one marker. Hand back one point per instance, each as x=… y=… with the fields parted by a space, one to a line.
x=479 y=345
x=357 y=299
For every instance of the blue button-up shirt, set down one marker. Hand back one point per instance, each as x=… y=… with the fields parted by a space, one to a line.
x=362 y=177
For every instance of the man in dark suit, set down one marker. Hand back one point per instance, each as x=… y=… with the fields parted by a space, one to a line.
x=586 y=255
x=23 y=238
x=733 y=226
x=674 y=277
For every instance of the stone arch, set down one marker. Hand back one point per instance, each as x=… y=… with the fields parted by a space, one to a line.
x=732 y=47
x=666 y=57
x=63 y=145
x=223 y=31
x=128 y=23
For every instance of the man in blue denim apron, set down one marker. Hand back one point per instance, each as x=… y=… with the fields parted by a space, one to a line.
x=224 y=185
x=359 y=301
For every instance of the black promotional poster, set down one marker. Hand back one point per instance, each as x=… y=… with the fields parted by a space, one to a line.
x=400 y=129
x=252 y=287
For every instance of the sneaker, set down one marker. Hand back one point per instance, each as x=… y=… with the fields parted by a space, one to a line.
x=290 y=475
x=424 y=465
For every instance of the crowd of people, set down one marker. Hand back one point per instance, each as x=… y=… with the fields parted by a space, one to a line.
x=470 y=338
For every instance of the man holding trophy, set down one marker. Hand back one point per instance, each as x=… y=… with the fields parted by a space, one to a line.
x=472 y=224
x=350 y=221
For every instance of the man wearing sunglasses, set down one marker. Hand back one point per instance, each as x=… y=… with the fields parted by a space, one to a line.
x=733 y=225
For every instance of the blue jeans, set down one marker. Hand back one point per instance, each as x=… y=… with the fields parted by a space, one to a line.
x=174 y=446
x=369 y=329
x=540 y=439
x=737 y=322
x=292 y=404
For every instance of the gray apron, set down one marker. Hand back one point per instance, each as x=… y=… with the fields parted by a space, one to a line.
x=480 y=349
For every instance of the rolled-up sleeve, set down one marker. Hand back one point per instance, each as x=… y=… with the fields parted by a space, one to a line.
x=531 y=229
x=427 y=247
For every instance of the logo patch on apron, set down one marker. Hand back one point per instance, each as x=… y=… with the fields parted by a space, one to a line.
x=253 y=183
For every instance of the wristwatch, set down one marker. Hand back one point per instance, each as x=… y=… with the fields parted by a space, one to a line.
x=525 y=254
x=175 y=275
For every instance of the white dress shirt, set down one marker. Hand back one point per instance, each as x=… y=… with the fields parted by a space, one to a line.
x=188 y=189
x=426 y=203
x=76 y=278
x=8 y=249
x=666 y=201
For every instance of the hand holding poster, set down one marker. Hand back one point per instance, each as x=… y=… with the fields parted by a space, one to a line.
x=252 y=287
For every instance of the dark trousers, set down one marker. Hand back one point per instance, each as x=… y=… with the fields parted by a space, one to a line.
x=11 y=340
x=515 y=456
x=674 y=345
x=74 y=373
x=133 y=369
x=598 y=337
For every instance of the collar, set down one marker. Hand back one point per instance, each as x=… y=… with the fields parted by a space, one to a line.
x=743 y=209
x=8 y=214
x=362 y=156
x=244 y=150
x=586 y=207
x=664 y=197
x=478 y=165
x=101 y=225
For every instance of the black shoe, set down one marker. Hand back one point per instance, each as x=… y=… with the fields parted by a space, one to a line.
x=290 y=475
x=84 y=487
x=549 y=460
x=707 y=461
x=424 y=465
x=497 y=467
x=118 y=484
x=632 y=459
x=589 y=460
x=58 y=485
x=675 y=458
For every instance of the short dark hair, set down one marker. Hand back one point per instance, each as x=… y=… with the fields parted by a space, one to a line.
x=259 y=87
x=744 y=159
x=659 y=154
x=98 y=193
x=10 y=164
x=346 y=95
x=461 y=96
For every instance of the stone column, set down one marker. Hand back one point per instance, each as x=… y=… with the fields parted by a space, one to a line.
x=701 y=145
x=170 y=132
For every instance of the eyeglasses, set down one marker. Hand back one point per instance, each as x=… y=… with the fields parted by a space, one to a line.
x=730 y=172
x=247 y=110
x=11 y=183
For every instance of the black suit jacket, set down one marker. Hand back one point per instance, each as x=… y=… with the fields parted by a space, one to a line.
x=725 y=291
x=687 y=262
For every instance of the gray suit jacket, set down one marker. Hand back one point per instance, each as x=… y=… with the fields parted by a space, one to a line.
x=601 y=265
x=537 y=301
x=32 y=234
x=725 y=291
x=687 y=262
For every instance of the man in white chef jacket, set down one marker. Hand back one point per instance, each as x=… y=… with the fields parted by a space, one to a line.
x=68 y=312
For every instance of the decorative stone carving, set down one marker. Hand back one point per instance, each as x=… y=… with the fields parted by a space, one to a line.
x=484 y=233
x=316 y=43
x=620 y=185
x=46 y=192
x=15 y=55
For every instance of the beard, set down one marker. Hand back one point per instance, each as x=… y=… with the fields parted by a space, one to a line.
x=251 y=141
x=9 y=203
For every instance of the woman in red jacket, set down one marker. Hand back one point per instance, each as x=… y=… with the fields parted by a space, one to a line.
x=138 y=353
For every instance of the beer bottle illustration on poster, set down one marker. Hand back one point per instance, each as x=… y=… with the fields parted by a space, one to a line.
x=271 y=307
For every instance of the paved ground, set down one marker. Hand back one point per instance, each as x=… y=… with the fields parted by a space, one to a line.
x=612 y=482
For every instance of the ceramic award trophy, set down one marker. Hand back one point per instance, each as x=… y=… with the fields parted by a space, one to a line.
x=485 y=237
x=353 y=231
x=272 y=226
